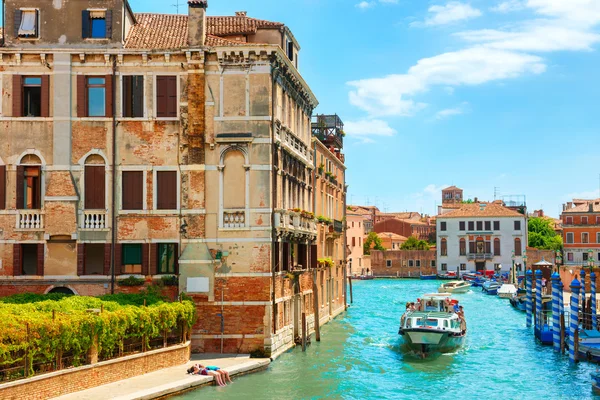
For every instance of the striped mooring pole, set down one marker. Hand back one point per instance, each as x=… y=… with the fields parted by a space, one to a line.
x=561 y=297
x=538 y=300
x=556 y=311
x=593 y=288
x=528 y=278
x=574 y=325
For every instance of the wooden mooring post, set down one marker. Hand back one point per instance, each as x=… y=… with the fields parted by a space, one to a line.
x=576 y=344
x=562 y=333
x=350 y=284
x=315 y=300
x=303 y=331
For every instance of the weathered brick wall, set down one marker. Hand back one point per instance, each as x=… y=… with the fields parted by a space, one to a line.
x=68 y=381
x=401 y=263
x=82 y=289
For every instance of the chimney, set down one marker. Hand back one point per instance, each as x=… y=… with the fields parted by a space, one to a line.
x=569 y=205
x=591 y=206
x=241 y=13
x=197 y=22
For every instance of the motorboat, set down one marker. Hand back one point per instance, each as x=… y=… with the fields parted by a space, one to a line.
x=365 y=277
x=428 y=277
x=448 y=276
x=454 y=287
x=589 y=345
x=478 y=281
x=507 y=290
x=518 y=301
x=490 y=287
x=434 y=327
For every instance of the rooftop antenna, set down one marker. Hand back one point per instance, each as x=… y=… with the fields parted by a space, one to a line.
x=496 y=192
x=176 y=5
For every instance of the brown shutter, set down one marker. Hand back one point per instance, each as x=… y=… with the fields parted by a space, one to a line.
x=2 y=187
x=286 y=256
x=17 y=106
x=313 y=256
x=40 y=259
x=471 y=247
x=107 y=253
x=137 y=96
x=127 y=96
x=81 y=96
x=276 y=255
x=161 y=96
x=109 y=22
x=166 y=187
x=45 y=111
x=108 y=96
x=488 y=247
x=18 y=17
x=80 y=259
x=145 y=260
x=20 y=187
x=85 y=24
x=153 y=258
x=37 y=201
x=118 y=259
x=172 y=96
x=95 y=188
x=17 y=267
x=100 y=193
x=133 y=193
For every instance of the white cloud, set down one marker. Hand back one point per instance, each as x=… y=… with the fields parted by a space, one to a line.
x=392 y=95
x=453 y=11
x=368 y=127
x=363 y=5
x=586 y=12
x=449 y=112
x=509 y=6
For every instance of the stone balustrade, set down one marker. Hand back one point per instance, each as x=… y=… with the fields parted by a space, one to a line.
x=30 y=219
x=94 y=219
x=234 y=219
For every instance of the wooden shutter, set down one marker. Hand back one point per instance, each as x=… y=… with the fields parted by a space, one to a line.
x=172 y=96
x=137 y=96
x=81 y=97
x=2 y=187
x=17 y=105
x=133 y=193
x=127 y=96
x=109 y=22
x=80 y=259
x=276 y=255
x=302 y=256
x=118 y=259
x=17 y=255
x=176 y=258
x=45 y=100
x=37 y=201
x=153 y=259
x=18 y=17
x=161 y=96
x=95 y=197
x=471 y=247
x=107 y=253
x=108 y=96
x=40 y=259
x=286 y=256
x=166 y=188
x=145 y=258
x=20 y=187
x=313 y=256
x=488 y=247
x=85 y=24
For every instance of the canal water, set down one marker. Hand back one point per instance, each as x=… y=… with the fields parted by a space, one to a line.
x=359 y=357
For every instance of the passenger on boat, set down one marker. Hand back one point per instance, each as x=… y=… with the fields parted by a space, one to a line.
x=456 y=307
x=412 y=307
x=461 y=317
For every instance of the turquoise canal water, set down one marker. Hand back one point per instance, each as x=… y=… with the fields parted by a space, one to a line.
x=359 y=357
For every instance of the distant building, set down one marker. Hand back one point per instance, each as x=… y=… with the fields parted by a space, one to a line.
x=581 y=231
x=452 y=198
x=391 y=241
x=355 y=232
x=403 y=263
x=417 y=228
x=480 y=236
x=369 y=212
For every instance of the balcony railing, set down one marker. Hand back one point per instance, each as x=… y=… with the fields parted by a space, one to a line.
x=480 y=256
x=94 y=219
x=294 y=222
x=234 y=219
x=30 y=219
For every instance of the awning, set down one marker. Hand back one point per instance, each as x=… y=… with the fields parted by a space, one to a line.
x=98 y=14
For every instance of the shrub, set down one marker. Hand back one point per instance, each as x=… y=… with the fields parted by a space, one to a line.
x=131 y=281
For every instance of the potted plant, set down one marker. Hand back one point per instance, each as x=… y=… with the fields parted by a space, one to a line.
x=321 y=169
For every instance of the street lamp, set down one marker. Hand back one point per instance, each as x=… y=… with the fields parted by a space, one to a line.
x=558 y=258
x=512 y=269
x=590 y=260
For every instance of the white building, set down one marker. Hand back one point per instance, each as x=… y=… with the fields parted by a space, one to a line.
x=480 y=236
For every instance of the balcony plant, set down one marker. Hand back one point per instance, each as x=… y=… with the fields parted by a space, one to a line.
x=324 y=220
x=325 y=262
x=328 y=174
x=307 y=214
x=321 y=169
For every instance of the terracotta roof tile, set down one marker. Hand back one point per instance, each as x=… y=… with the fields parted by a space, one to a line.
x=585 y=207
x=481 y=210
x=237 y=25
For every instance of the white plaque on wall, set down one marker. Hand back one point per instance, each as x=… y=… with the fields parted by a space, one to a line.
x=197 y=285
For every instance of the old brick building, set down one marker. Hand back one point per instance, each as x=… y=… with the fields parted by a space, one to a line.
x=403 y=263
x=153 y=145
x=581 y=232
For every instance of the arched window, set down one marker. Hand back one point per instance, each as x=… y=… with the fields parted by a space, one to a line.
x=518 y=250
x=463 y=247
x=444 y=247
x=29 y=183
x=497 y=246
x=480 y=245
x=94 y=183
x=234 y=188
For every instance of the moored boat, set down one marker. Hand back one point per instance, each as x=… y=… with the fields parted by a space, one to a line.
x=433 y=327
x=428 y=277
x=490 y=287
x=455 y=287
x=448 y=276
x=507 y=291
x=518 y=301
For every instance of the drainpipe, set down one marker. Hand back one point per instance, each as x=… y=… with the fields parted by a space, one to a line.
x=113 y=232
x=274 y=72
x=3 y=24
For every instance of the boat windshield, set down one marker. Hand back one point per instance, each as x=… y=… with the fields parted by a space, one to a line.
x=427 y=322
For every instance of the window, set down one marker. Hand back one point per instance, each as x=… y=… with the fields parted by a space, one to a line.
x=497 y=246
x=167 y=258
x=496 y=225
x=471 y=247
x=433 y=263
x=444 y=267
x=95 y=198
x=488 y=225
x=94 y=258
x=463 y=247
x=29 y=188
x=418 y=263
x=411 y=263
x=353 y=241
x=30 y=259
x=31 y=96
x=585 y=256
x=27 y=23
x=597 y=220
x=569 y=220
x=353 y=224
x=518 y=250
x=132 y=190
x=597 y=234
x=131 y=259
x=166 y=190
x=166 y=96
x=290 y=49
x=388 y=263
x=442 y=226
x=584 y=220
x=2 y=187
x=461 y=225
x=444 y=247
x=133 y=96
x=463 y=267
x=96 y=24
x=585 y=237
x=570 y=237
x=517 y=225
x=569 y=256
x=479 y=225
x=96 y=97
x=471 y=225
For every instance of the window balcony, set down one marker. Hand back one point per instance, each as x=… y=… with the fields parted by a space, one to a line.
x=234 y=219
x=295 y=223
x=94 y=220
x=480 y=256
x=30 y=220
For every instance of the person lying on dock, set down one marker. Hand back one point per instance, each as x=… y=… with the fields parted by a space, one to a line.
x=224 y=374
x=196 y=370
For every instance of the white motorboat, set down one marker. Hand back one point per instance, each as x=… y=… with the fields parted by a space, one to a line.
x=433 y=327
x=455 y=287
x=507 y=291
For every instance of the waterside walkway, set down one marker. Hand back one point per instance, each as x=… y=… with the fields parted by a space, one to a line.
x=170 y=380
